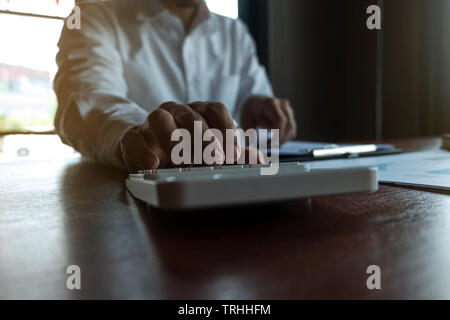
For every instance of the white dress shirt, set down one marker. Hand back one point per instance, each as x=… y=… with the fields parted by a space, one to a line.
x=130 y=56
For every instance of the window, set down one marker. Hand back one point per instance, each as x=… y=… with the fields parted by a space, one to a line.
x=27 y=63
x=29 y=32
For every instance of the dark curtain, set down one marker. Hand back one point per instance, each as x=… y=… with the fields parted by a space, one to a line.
x=416 y=68
x=350 y=83
x=324 y=59
x=255 y=15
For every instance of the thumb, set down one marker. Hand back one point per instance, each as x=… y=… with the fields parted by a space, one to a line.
x=137 y=155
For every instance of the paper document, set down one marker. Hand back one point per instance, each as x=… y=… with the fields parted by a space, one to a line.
x=429 y=169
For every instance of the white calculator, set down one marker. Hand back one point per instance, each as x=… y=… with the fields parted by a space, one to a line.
x=205 y=187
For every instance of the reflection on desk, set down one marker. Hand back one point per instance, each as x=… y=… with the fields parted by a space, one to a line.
x=73 y=212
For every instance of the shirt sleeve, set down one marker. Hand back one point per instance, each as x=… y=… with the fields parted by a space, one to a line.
x=254 y=79
x=93 y=109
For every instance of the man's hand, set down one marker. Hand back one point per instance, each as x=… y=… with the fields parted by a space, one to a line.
x=149 y=146
x=269 y=113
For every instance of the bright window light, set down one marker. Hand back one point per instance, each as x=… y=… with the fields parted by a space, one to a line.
x=28 y=48
x=228 y=8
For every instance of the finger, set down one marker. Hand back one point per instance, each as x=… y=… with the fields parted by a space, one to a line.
x=130 y=166
x=291 y=126
x=217 y=116
x=186 y=117
x=136 y=154
x=157 y=133
x=274 y=116
x=252 y=156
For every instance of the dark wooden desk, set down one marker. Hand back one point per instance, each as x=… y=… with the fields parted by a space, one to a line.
x=64 y=212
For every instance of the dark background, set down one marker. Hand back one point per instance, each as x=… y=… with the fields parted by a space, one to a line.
x=350 y=83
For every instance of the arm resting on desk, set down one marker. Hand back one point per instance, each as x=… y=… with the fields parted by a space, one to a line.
x=93 y=112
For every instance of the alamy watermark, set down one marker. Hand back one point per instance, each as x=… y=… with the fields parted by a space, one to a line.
x=73 y=281
x=214 y=154
x=374 y=20
x=374 y=280
x=73 y=21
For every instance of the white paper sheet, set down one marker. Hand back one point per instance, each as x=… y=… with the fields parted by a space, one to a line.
x=294 y=147
x=429 y=169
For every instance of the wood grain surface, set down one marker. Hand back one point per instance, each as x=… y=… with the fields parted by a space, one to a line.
x=61 y=212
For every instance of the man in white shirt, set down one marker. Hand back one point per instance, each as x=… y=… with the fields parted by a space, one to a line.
x=129 y=77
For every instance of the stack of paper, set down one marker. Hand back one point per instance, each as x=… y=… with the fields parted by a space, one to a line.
x=425 y=169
